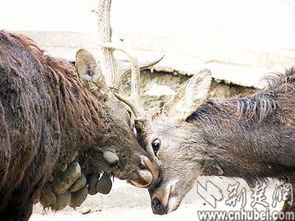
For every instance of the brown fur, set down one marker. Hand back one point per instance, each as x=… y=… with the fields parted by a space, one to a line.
x=46 y=114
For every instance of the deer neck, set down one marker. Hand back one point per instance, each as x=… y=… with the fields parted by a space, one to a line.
x=78 y=112
x=239 y=145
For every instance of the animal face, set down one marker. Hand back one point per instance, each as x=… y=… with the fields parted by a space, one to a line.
x=175 y=144
x=118 y=151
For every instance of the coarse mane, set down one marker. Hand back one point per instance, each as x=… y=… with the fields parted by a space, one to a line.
x=23 y=40
x=47 y=114
x=278 y=96
x=261 y=104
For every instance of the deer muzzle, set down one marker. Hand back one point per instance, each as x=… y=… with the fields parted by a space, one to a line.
x=163 y=198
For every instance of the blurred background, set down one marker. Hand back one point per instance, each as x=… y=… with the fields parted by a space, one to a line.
x=239 y=41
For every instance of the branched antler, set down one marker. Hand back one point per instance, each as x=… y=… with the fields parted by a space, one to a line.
x=115 y=70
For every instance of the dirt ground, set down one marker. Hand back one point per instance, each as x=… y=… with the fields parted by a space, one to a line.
x=124 y=201
x=114 y=214
x=128 y=202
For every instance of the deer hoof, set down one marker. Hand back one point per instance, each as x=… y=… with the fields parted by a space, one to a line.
x=92 y=183
x=104 y=185
x=79 y=197
x=110 y=157
x=79 y=184
x=47 y=197
x=62 y=200
x=64 y=180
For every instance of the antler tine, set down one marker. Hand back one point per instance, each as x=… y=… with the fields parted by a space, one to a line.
x=108 y=63
x=142 y=65
x=125 y=67
x=135 y=103
x=113 y=70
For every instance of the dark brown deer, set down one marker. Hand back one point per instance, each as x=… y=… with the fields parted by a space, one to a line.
x=251 y=137
x=48 y=113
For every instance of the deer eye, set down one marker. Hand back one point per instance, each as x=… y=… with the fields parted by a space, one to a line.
x=156 y=145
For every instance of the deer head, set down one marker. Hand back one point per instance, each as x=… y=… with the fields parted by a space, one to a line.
x=171 y=141
x=121 y=155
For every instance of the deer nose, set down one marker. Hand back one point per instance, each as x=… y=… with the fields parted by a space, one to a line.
x=158 y=207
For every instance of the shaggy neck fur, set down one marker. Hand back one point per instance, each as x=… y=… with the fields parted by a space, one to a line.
x=46 y=114
x=251 y=137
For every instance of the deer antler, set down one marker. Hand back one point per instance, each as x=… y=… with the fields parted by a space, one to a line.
x=116 y=70
x=135 y=101
x=107 y=61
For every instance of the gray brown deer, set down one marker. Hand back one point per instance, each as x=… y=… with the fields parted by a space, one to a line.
x=53 y=109
x=251 y=137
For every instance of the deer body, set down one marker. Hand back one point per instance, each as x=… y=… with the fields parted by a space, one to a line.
x=47 y=114
x=251 y=137
x=54 y=112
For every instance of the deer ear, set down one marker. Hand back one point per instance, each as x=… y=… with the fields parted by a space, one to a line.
x=89 y=71
x=189 y=97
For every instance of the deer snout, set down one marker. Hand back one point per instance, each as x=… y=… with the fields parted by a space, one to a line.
x=158 y=207
x=162 y=201
x=147 y=173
